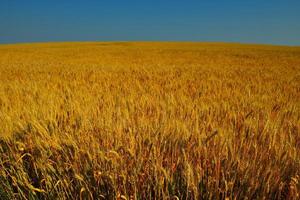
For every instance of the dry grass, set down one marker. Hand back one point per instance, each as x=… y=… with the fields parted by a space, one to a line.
x=149 y=121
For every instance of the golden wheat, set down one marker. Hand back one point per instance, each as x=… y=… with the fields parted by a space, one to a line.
x=149 y=121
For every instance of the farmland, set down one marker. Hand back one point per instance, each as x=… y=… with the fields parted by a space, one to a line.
x=149 y=120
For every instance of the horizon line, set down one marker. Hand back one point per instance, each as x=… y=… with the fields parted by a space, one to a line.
x=141 y=41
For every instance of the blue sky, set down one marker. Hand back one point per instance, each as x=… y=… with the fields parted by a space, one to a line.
x=256 y=21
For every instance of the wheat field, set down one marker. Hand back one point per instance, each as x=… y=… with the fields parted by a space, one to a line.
x=149 y=120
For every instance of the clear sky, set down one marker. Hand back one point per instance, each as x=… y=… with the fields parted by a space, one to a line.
x=246 y=21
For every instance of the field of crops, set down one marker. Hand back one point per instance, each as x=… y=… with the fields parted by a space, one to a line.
x=119 y=120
